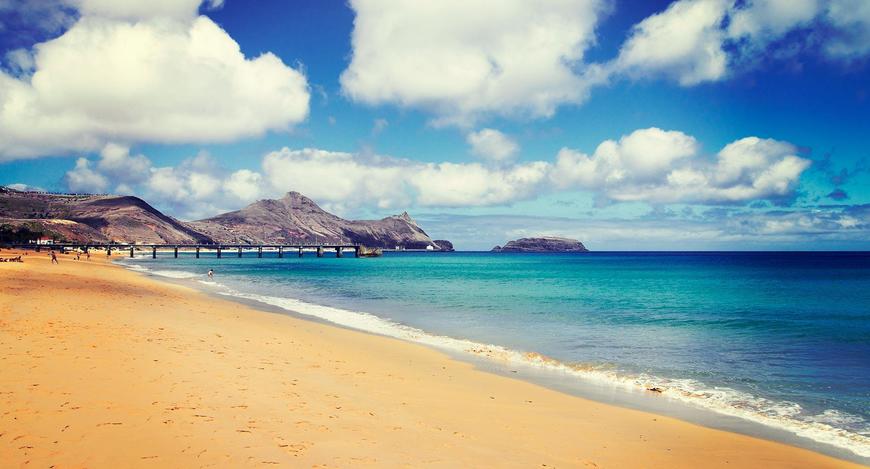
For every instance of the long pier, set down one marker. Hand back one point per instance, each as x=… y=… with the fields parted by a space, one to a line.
x=220 y=249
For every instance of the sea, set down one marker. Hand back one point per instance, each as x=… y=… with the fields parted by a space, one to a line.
x=775 y=344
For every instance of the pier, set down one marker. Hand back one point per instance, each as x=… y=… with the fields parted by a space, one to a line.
x=219 y=250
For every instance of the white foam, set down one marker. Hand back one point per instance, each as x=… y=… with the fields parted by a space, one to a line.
x=778 y=414
x=178 y=274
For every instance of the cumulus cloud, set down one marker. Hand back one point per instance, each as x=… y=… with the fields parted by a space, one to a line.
x=492 y=145
x=648 y=165
x=683 y=42
x=463 y=59
x=659 y=166
x=84 y=178
x=144 y=72
x=695 y=41
x=396 y=183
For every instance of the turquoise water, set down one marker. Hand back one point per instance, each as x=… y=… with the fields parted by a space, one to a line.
x=782 y=339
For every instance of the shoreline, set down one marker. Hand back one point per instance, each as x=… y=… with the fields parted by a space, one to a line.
x=517 y=364
x=259 y=388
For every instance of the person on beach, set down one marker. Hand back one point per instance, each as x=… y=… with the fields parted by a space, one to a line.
x=210 y=274
x=54 y=258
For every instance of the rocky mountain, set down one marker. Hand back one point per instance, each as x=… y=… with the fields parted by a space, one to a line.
x=296 y=217
x=542 y=244
x=92 y=218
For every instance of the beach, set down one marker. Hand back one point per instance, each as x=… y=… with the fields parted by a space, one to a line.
x=104 y=367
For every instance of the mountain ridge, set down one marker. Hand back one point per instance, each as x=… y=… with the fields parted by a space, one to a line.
x=129 y=219
x=297 y=217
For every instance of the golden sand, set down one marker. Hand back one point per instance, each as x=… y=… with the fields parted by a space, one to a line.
x=103 y=367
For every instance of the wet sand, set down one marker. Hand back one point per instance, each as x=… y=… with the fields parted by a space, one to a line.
x=103 y=367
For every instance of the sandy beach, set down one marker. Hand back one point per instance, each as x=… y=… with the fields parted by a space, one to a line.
x=104 y=367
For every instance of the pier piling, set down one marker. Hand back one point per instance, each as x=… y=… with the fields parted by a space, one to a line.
x=197 y=252
x=338 y=252
x=300 y=251
x=218 y=252
x=280 y=252
x=154 y=252
x=131 y=252
x=176 y=252
x=260 y=252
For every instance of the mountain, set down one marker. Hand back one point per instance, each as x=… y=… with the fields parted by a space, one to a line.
x=92 y=218
x=296 y=217
x=542 y=244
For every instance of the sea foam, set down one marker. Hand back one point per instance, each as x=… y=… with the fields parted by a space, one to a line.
x=784 y=415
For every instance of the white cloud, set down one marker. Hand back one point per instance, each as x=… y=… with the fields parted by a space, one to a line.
x=695 y=41
x=666 y=167
x=462 y=60
x=83 y=178
x=158 y=80
x=737 y=229
x=353 y=179
x=647 y=165
x=117 y=163
x=852 y=20
x=19 y=186
x=765 y=20
x=683 y=42
x=492 y=145
x=137 y=9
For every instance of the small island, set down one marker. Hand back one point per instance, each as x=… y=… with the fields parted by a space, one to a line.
x=542 y=244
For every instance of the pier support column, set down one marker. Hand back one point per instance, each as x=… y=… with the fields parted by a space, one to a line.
x=154 y=252
x=338 y=252
x=131 y=252
x=176 y=252
x=108 y=250
x=197 y=252
x=260 y=252
x=219 y=252
x=300 y=251
x=240 y=252
x=38 y=247
x=356 y=250
x=319 y=251
x=280 y=252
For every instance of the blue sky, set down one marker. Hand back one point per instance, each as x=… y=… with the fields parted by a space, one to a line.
x=696 y=124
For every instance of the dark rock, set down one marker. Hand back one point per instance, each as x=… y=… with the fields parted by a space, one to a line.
x=444 y=245
x=542 y=244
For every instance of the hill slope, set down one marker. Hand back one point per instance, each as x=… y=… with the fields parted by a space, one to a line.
x=296 y=217
x=93 y=218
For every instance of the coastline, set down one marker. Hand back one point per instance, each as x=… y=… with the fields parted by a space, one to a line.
x=103 y=366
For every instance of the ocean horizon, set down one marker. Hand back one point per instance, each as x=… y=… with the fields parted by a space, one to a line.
x=779 y=339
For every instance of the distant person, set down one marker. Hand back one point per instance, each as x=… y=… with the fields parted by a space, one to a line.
x=210 y=274
x=78 y=255
x=54 y=258
x=88 y=254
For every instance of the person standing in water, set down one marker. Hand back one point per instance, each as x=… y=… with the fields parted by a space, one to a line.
x=210 y=274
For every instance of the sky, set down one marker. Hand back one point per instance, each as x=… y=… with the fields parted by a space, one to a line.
x=630 y=125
